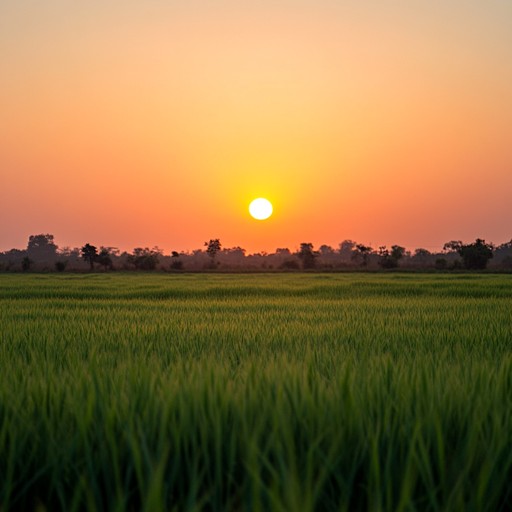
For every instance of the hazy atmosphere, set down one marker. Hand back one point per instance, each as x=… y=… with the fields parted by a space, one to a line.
x=255 y=255
x=155 y=123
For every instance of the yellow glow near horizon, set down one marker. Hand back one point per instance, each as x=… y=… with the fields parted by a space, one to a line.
x=369 y=124
x=261 y=208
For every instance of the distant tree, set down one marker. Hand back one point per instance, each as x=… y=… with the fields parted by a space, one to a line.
x=145 y=258
x=283 y=251
x=213 y=246
x=71 y=255
x=68 y=252
x=307 y=255
x=385 y=260
x=389 y=259
x=327 y=256
x=26 y=263
x=326 y=250
x=346 y=250
x=421 y=257
x=261 y=255
x=507 y=246
x=112 y=251
x=422 y=253
x=104 y=258
x=176 y=263
x=233 y=257
x=237 y=251
x=61 y=265
x=362 y=253
x=397 y=252
x=476 y=255
x=290 y=265
x=41 y=247
x=503 y=253
x=89 y=254
x=452 y=246
x=11 y=258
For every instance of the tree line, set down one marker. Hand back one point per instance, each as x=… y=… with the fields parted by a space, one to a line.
x=43 y=254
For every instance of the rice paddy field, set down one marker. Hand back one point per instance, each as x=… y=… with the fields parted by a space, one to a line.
x=271 y=392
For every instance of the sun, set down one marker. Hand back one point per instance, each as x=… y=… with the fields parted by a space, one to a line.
x=261 y=208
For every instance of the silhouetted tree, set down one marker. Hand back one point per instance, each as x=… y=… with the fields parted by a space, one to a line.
x=41 y=247
x=213 y=246
x=290 y=265
x=422 y=257
x=145 y=258
x=26 y=263
x=452 y=246
x=503 y=253
x=421 y=254
x=236 y=252
x=397 y=252
x=104 y=258
x=11 y=258
x=60 y=266
x=325 y=250
x=476 y=255
x=385 y=260
x=89 y=254
x=71 y=256
x=362 y=253
x=507 y=246
x=307 y=255
x=346 y=250
x=176 y=263
x=328 y=257
x=455 y=255
x=389 y=259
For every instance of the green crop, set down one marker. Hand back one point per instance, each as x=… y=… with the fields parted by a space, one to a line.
x=279 y=392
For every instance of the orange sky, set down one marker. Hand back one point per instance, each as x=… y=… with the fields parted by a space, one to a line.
x=129 y=123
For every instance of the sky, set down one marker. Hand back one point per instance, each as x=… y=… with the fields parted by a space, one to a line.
x=129 y=123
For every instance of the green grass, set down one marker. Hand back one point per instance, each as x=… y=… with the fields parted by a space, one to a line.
x=281 y=392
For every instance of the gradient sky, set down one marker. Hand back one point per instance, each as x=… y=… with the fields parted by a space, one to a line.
x=133 y=123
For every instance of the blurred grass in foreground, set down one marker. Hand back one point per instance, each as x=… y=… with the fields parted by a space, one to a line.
x=285 y=392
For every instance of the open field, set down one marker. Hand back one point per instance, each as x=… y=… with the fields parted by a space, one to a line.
x=282 y=392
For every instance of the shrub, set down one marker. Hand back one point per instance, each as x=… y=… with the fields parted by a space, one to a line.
x=60 y=266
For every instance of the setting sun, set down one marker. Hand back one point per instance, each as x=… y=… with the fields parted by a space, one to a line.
x=261 y=208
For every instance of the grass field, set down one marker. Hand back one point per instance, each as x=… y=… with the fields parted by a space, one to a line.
x=279 y=392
